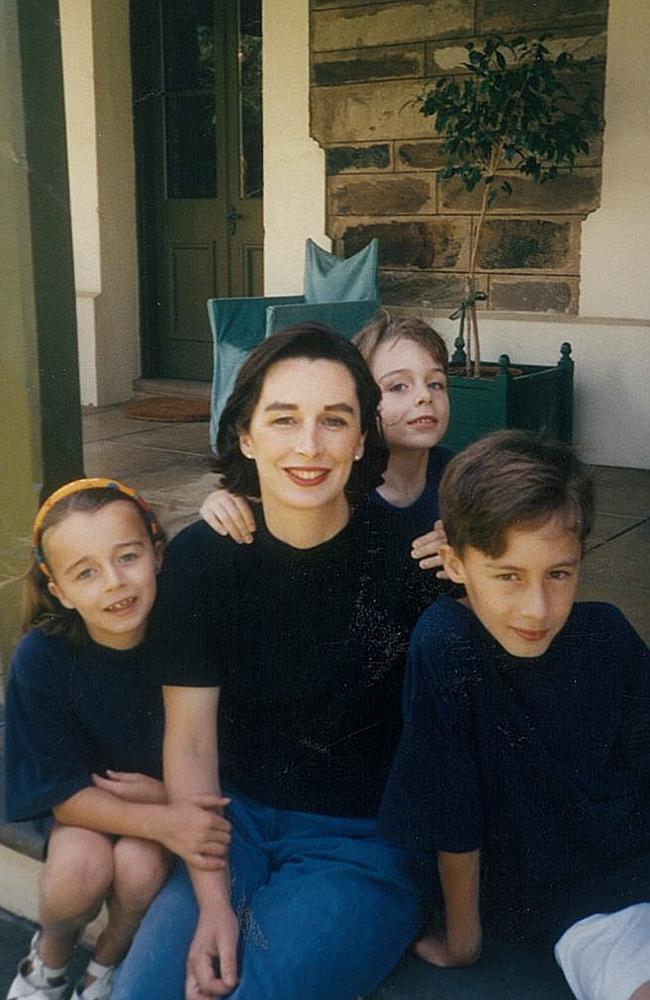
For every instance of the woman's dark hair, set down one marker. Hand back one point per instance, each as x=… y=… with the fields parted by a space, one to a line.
x=315 y=342
x=42 y=609
x=510 y=479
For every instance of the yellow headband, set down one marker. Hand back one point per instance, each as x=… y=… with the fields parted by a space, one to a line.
x=80 y=486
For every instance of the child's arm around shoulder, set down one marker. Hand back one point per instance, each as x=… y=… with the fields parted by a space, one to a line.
x=229 y=514
x=426 y=549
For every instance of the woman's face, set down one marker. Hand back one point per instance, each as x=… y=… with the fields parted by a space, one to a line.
x=304 y=435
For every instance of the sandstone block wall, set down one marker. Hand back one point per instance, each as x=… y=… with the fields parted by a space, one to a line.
x=369 y=61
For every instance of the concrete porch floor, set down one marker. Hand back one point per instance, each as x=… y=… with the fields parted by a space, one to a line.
x=170 y=465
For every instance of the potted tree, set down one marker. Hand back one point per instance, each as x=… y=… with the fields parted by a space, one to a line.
x=520 y=110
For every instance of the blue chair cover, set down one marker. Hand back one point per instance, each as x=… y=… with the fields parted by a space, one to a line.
x=238 y=325
x=329 y=278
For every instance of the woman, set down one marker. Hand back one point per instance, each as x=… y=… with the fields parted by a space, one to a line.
x=298 y=645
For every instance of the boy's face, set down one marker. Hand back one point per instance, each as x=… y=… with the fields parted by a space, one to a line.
x=414 y=401
x=524 y=596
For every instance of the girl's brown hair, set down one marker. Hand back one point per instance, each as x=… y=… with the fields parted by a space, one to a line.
x=42 y=609
x=384 y=328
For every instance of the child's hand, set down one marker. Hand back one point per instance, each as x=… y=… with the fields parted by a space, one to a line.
x=426 y=549
x=228 y=514
x=193 y=829
x=435 y=950
x=132 y=787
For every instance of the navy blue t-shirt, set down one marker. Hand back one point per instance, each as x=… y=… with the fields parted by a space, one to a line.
x=419 y=517
x=308 y=647
x=543 y=763
x=73 y=711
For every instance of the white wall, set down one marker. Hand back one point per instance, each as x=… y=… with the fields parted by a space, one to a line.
x=294 y=165
x=616 y=238
x=612 y=361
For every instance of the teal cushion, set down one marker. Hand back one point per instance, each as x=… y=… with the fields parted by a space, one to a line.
x=329 y=278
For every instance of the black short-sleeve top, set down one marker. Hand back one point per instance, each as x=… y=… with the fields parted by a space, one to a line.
x=72 y=711
x=308 y=648
x=542 y=762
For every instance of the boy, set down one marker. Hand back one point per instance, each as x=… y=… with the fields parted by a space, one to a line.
x=527 y=730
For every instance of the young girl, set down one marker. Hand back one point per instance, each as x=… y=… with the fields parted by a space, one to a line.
x=84 y=735
x=408 y=360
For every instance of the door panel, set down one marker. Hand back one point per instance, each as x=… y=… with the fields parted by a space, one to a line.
x=244 y=134
x=197 y=114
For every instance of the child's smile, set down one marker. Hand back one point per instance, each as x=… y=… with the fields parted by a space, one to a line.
x=415 y=404
x=104 y=565
x=522 y=597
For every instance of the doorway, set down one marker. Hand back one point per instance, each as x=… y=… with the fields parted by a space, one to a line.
x=197 y=87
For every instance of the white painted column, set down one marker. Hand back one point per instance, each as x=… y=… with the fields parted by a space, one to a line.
x=615 y=273
x=294 y=164
x=99 y=129
x=81 y=130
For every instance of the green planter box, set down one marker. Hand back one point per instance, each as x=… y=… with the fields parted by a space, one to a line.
x=539 y=399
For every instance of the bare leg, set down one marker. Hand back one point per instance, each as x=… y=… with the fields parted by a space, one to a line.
x=74 y=882
x=643 y=992
x=140 y=869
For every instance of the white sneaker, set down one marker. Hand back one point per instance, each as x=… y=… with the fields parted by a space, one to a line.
x=41 y=982
x=100 y=988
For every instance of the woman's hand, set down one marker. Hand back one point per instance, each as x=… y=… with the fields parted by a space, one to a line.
x=228 y=514
x=212 y=960
x=426 y=549
x=131 y=786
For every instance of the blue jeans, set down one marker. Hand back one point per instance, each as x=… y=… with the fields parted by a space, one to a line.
x=326 y=909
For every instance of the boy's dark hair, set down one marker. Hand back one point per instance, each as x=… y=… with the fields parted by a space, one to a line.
x=383 y=328
x=315 y=342
x=509 y=479
x=42 y=609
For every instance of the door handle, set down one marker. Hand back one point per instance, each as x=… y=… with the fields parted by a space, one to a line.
x=232 y=219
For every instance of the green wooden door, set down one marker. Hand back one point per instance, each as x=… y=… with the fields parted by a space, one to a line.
x=198 y=136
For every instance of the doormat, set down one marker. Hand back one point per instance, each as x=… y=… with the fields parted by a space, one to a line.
x=169 y=409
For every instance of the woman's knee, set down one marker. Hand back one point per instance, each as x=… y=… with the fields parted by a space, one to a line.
x=141 y=868
x=79 y=866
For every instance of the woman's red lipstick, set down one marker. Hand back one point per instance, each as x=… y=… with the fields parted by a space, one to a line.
x=306 y=475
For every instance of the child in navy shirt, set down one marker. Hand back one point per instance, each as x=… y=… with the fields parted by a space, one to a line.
x=408 y=360
x=84 y=731
x=525 y=757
